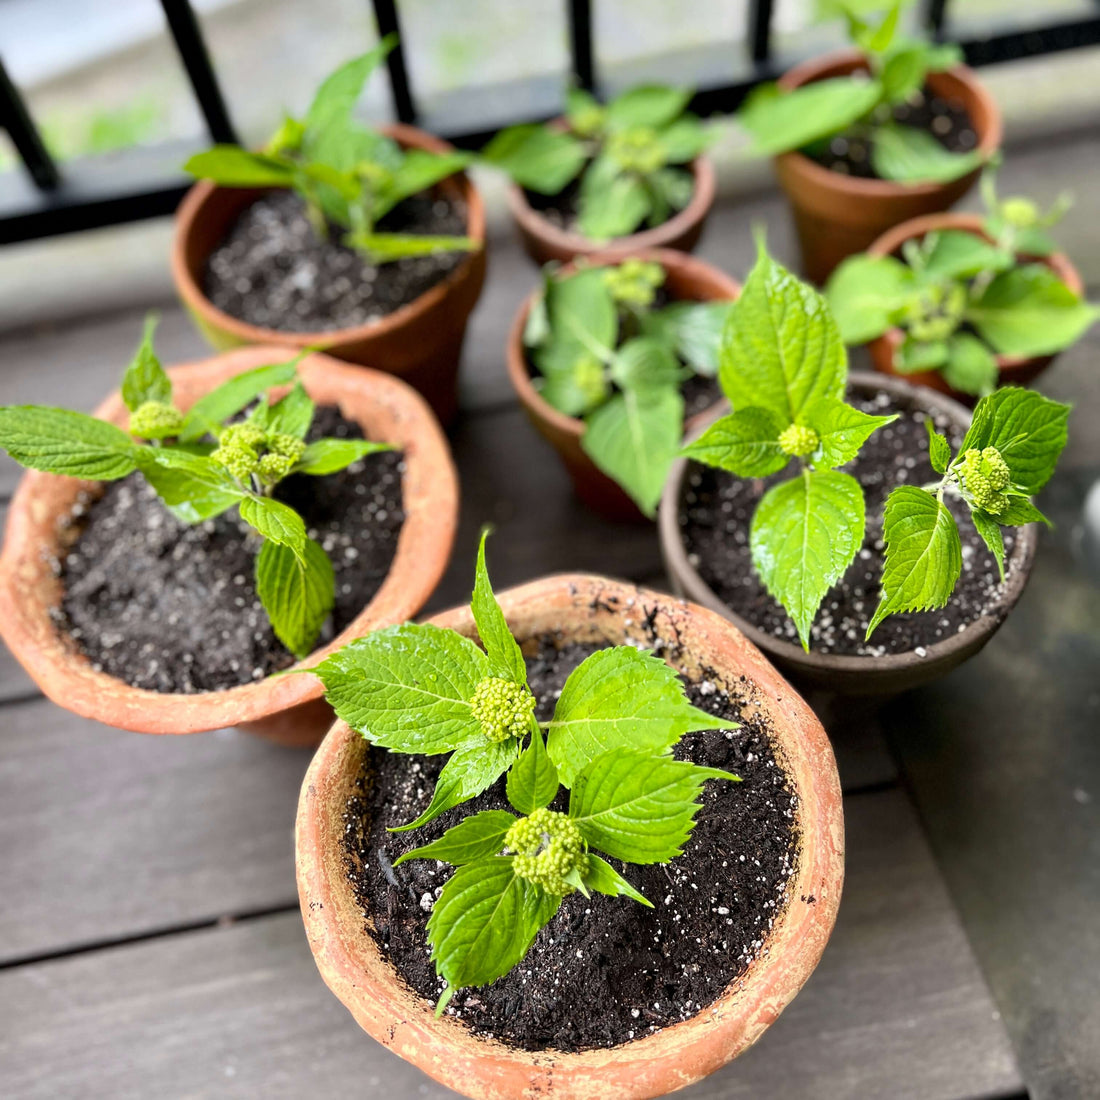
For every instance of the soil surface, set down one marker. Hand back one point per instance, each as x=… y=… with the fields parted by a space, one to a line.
x=946 y=120
x=173 y=608
x=274 y=271
x=604 y=970
x=716 y=511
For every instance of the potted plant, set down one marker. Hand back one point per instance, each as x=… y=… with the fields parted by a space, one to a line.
x=872 y=136
x=610 y=357
x=366 y=243
x=796 y=551
x=214 y=525
x=630 y=174
x=964 y=303
x=647 y=974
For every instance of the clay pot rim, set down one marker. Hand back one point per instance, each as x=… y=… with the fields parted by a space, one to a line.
x=352 y=965
x=675 y=552
x=564 y=240
x=919 y=227
x=516 y=360
x=431 y=517
x=847 y=60
x=191 y=210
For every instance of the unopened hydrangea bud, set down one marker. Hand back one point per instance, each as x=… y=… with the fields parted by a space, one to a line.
x=548 y=848
x=503 y=708
x=1020 y=213
x=798 y=440
x=240 y=461
x=986 y=477
x=155 y=420
x=636 y=150
x=634 y=282
x=243 y=435
x=288 y=446
x=589 y=378
x=273 y=467
x=587 y=121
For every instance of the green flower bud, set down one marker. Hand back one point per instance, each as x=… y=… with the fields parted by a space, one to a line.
x=636 y=150
x=548 y=848
x=155 y=420
x=240 y=461
x=243 y=435
x=503 y=708
x=1020 y=213
x=587 y=121
x=589 y=378
x=287 y=446
x=634 y=282
x=273 y=467
x=986 y=477
x=798 y=440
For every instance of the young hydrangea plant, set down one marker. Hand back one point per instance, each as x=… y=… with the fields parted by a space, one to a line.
x=423 y=689
x=627 y=155
x=860 y=107
x=201 y=466
x=961 y=299
x=604 y=352
x=348 y=176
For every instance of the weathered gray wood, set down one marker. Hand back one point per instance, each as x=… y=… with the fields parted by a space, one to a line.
x=896 y=1010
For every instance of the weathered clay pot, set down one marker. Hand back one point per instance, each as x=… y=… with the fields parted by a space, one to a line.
x=286 y=709
x=837 y=215
x=833 y=673
x=543 y=241
x=1014 y=370
x=586 y=608
x=421 y=342
x=688 y=279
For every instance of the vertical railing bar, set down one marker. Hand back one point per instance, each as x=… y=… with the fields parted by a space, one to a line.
x=187 y=35
x=580 y=43
x=16 y=119
x=385 y=15
x=760 y=31
x=935 y=15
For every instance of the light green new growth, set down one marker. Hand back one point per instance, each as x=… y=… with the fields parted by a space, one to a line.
x=985 y=476
x=155 y=420
x=421 y=689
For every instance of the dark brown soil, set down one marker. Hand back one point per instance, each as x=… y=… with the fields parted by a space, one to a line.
x=946 y=120
x=604 y=970
x=274 y=271
x=173 y=608
x=716 y=510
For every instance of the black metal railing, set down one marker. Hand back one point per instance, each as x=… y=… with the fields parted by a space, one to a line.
x=47 y=200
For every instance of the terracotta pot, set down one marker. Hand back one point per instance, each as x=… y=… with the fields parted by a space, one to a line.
x=543 y=241
x=287 y=709
x=421 y=342
x=688 y=279
x=836 y=215
x=850 y=675
x=1014 y=370
x=586 y=608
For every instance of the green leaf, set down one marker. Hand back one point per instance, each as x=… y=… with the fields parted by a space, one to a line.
x=636 y=806
x=903 y=73
x=338 y=94
x=536 y=157
x=492 y=627
x=918 y=355
x=651 y=105
x=211 y=411
x=276 y=521
x=327 y=456
x=419 y=170
x=939 y=450
x=484 y=922
x=408 y=688
x=746 y=443
x=843 y=430
x=145 y=379
x=645 y=363
x=804 y=534
x=986 y=526
x=633 y=438
x=615 y=210
x=1020 y=510
x=865 y=294
x=533 y=779
x=297 y=591
x=923 y=554
x=230 y=166
x=971 y=366
x=954 y=254
x=63 y=442
x=694 y=329
x=382 y=248
x=601 y=878
x=1029 y=311
x=1028 y=429
x=192 y=487
x=582 y=314
x=472 y=769
x=782 y=350
x=685 y=139
x=290 y=415
x=780 y=122
x=905 y=154
x=620 y=698
x=473 y=838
